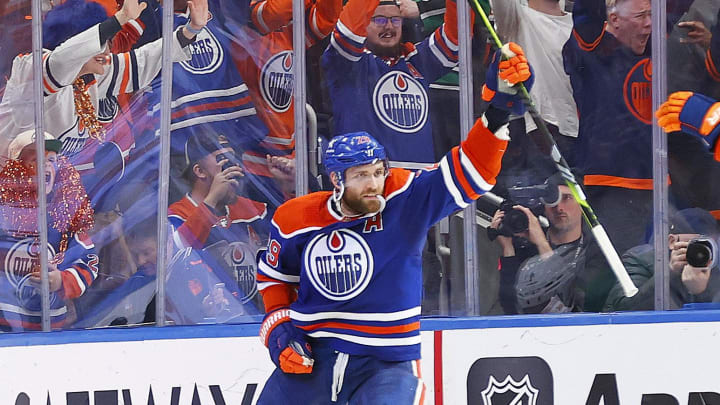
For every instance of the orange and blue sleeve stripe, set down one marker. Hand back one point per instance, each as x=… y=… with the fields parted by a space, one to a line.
x=322 y=17
x=348 y=38
x=193 y=230
x=444 y=41
x=711 y=63
x=469 y=170
x=81 y=273
x=589 y=23
x=50 y=84
x=124 y=76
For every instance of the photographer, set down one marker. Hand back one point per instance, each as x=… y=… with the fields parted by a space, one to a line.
x=693 y=277
x=561 y=270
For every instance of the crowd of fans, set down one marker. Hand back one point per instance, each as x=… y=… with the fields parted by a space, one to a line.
x=388 y=67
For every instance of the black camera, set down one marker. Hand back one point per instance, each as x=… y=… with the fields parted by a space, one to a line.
x=534 y=198
x=701 y=252
x=515 y=220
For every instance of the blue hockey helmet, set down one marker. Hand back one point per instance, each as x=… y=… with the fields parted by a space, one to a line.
x=350 y=150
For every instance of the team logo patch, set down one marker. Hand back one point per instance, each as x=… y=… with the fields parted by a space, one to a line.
x=21 y=260
x=207 y=54
x=400 y=102
x=339 y=264
x=276 y=81
x=242 y=260
x=637 y=91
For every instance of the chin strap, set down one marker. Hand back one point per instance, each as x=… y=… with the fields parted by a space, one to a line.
x=338 y=206
x=337 y=195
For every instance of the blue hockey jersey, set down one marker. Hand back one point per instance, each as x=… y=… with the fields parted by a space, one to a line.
x=20 y=298
x=387 y=97
x=208 y=91
x=612 y=90
x=359 y=280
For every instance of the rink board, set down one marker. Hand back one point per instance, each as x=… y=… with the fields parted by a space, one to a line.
x=665 y=358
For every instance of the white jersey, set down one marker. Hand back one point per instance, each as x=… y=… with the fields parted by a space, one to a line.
x=127 y=72
x=542 y=36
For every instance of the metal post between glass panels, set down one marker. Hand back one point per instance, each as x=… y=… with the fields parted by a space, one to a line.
x=299 y=89
x=660 y=165
x=466 y=122
x=40 y=150
x=164 y=180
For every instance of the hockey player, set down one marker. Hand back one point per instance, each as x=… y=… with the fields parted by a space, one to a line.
x=79 y=68
x=378 y=84
x=341 y=277
x=72 y=262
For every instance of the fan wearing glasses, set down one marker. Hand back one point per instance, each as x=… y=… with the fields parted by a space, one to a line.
x=379 y=84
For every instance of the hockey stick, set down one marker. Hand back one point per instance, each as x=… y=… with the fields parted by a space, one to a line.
x=546 y=144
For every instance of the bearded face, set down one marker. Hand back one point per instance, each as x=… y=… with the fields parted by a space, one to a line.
x=384 y=31
x=363 y=185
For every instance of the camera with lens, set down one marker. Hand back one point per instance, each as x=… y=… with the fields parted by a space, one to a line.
x=534 y=198
x=701 y=252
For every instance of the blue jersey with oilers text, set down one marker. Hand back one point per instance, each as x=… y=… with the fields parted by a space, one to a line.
x=359 y=280
x=387 y=97
x=208 y=90
x=20 y=298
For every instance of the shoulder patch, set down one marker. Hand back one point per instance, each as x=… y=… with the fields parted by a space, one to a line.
x=397 y=181
x=247 y=209
x=308 y=211
x=181 y=208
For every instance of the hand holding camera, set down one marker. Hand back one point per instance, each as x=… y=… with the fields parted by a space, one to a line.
x=521 y=216
x=693 y=260
x=520 y=221
x=695 y=279
x=226 y=183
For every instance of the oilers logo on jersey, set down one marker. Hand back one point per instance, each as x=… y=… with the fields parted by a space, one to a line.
x=276 y=81
x=400 y=102
x=637 y=91
x=73 y=143
x=21 y=260
x=242 y=260
x=207 y=54
x=22 y=257
x=339 y=264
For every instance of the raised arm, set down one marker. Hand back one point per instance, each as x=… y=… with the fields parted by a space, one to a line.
x=439 y=52
x=712 y=57
x=321 y=15
x=507 y=17
x=589 y=20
